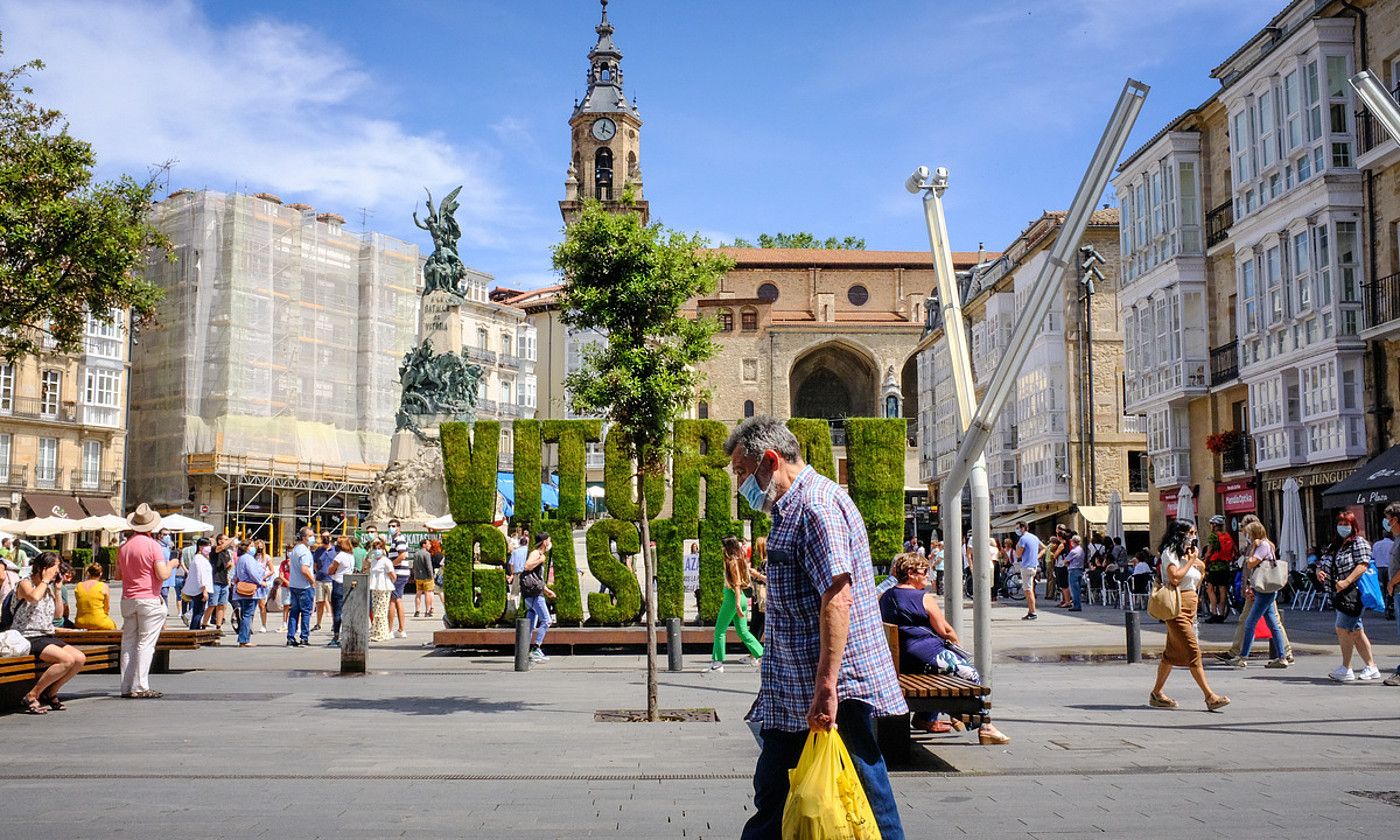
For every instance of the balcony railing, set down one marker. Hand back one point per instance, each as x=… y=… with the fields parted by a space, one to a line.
x=485 y=357
x=34 y=408
x=1238 y=456
x=1218 y=223
x=48 y=479
x=508 y=361
x=1383 y=300
x=1225 y=363
x=487 y=407
x=12 y=475
x=1132 y=424
x=105 y=481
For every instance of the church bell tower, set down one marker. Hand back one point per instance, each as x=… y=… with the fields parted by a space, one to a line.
x=604 y=131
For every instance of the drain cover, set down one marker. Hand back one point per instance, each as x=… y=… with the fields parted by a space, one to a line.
x=667 y=716
x=1390 y=797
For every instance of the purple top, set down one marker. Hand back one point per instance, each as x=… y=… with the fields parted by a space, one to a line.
x=918 y=644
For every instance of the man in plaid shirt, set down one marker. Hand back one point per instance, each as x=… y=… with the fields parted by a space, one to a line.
x=826 y=662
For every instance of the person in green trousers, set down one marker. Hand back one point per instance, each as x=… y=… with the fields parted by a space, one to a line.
x=736 y=579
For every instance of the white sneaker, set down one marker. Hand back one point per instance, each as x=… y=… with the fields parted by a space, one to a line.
x=715 y=667
x=1343 y=674
x=399 y=634
x=282 y=628
x=262 y=629
x=749 y=660
x=1370 y=672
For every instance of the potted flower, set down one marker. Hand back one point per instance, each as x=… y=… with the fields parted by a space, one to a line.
x=1222 y=441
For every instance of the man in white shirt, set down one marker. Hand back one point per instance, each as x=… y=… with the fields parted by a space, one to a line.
x=199 y=583
x=302 y=575
x=1380 y=558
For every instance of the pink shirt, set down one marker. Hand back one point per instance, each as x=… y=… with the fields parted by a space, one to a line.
x=137 y=560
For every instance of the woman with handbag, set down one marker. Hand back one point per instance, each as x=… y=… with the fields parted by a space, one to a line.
x=1265 y=575
x=250 y=582
x=1349 y=560
x=1182 y=570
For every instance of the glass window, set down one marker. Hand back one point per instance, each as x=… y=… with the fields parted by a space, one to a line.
x=4 y=457
x=507 y=344
x=1312 y=97
x=748 y=408
x=726 y=321
x=1304 y=168
x=7 y=388
x=1347 y=259
x=47 y=468
x=507 y=388
x=1341 y=155
x=1273 y=281
x=1302 y=288
x=767 y=292
x=1322 y=263
x=1250 y=295
x=1292 y=115
x=92 y=463
x=858 y=295
x=100 y=388
x=50 y=393
x=748 y=320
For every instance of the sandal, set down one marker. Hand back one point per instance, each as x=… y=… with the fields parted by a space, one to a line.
x=1219 y=701
x=54 y=703
x=31 y=706
x=1161 y=701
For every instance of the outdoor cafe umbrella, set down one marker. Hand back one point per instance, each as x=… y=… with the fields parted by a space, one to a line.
x=1115 y=516
x=48 y=526
x=1293 y=534
x=178 y=524
x=1185 y=504
x=441 y=523
x=106 y=522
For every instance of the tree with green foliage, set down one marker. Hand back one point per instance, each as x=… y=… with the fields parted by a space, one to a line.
x=68 y=246
x=803 y=239
x=630 y=281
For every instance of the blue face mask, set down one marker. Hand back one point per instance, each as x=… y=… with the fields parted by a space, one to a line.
x=1343 y=531
x=752 y=493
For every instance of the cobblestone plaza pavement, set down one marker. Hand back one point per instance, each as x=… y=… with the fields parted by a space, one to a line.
x=268 y=742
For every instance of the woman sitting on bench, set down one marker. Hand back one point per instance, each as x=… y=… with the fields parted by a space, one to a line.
x=94 y=602
x=39 y=605
x=927 y=642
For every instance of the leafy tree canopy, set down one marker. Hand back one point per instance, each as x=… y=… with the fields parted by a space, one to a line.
x=629 y=281
x=68 y=246
x=803 y=240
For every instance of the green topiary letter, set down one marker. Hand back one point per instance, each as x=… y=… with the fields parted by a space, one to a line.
x=572 y=435
x=814 y=438
x=469 y=463
x=712 y=536
x=875 y=479
x=625 y=602
x=670 y=566
x=528 y=472
x=620 y=480
x=568 y=603
x=473 y=595
x=700 y=455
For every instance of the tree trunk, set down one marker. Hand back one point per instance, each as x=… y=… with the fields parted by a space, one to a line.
x=649 y=588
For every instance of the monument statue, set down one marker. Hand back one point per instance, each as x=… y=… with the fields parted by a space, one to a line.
x=444 y=269
x=435 y=387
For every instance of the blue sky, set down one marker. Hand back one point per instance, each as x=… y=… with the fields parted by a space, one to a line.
x=760 y=116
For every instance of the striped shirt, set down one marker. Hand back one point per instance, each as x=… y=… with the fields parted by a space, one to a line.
x=818 y=534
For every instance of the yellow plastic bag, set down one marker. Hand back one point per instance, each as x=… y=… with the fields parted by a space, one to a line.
x=825 y=800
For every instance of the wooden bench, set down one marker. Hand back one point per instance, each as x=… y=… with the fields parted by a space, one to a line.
x=19 y=673
x=170 y=639
x=930 y=694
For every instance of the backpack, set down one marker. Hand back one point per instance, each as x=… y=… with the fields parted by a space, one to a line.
x=1270 y=575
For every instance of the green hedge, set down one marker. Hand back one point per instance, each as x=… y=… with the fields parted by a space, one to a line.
x=81 y=557
x=473 y=595
x=572 y=435
x=568 y=603
x=620 y=482
x=528 y=472
x=875 y=480
x=712 y=536
x=689 y=466
x=670 y=566
x=814 y=437
x=625 y=601
x=469 y=464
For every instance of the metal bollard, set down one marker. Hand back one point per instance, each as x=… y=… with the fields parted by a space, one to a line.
x=354 y=624
x=522 y=644
x=1132 y=621
x=675 y=653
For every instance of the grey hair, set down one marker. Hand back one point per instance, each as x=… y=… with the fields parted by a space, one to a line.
x=757 y=435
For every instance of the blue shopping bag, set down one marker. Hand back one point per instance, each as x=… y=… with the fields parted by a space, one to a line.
x=1370 y=587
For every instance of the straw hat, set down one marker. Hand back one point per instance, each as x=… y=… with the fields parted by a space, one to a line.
x=144 y=520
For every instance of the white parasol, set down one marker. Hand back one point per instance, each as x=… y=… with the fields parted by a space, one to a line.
x=1185 y=504
x=1293 y=531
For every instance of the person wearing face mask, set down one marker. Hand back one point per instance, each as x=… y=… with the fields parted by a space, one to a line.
x=1350 y=557
x=381 y=589
x=1028 y=550
x=199 y=583
x=1391 y=521
x=302 y=579
x=827 y=663
x=1183 y=568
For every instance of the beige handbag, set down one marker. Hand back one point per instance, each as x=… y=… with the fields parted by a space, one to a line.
x=1164 y=603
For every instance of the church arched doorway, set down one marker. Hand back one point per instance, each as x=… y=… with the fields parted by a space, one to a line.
x=834 y=381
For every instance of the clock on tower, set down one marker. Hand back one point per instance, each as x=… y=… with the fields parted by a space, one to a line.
x=604 y=137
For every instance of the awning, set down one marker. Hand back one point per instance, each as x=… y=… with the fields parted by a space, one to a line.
x=51 y=504
x=1135 y=517
x=1376 y=482
x=1007 y=521
x=97 y=506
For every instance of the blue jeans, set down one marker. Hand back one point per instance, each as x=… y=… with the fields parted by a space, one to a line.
x=302 y=601
x=1076 y=587
x=779 y=753
x=337 y=605
x=247 y=610
x=1263 y=608
x=197 y=605
x=537 y=611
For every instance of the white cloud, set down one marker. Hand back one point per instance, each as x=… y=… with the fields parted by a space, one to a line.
x=265 y=105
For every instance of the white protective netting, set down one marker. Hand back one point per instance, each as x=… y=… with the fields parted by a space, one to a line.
x=278 y=341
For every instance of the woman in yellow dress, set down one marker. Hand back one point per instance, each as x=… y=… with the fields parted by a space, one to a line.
x=94 y=602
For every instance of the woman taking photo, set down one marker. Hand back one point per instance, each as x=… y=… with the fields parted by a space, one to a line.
x=381 y=588
x=1263 y=604
x=927 y=642
x=94 y=601
x=38 y=607
x=731 y=611
x=1182 y=569
x=1349 y=560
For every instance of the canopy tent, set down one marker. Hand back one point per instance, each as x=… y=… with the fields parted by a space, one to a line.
x=1293 y=533
x=177 y=523
x=1376 y=482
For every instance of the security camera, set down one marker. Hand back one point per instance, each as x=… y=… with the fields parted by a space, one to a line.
x=916 y=180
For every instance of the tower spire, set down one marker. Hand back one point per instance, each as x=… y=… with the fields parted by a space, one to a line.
x=604 y=94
